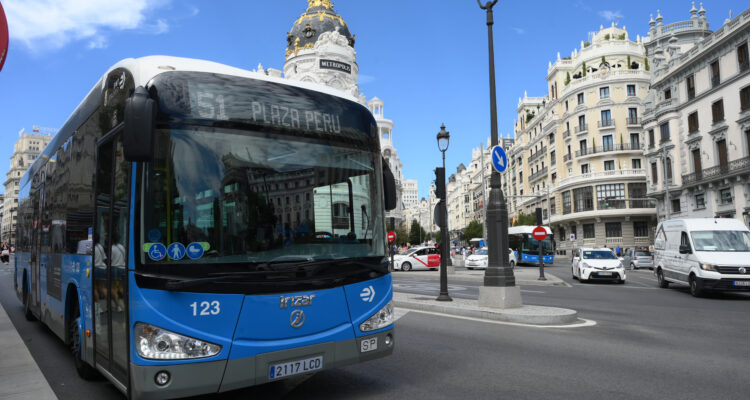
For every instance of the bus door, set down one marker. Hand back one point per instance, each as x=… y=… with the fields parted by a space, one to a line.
x=36 y=194
x=110 y=258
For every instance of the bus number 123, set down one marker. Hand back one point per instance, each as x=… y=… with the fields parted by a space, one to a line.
x=206 y=308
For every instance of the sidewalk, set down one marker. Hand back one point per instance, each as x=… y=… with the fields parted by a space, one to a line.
x=20 y=377
x=525 y=276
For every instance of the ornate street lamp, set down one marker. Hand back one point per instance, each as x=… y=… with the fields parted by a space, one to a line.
x=443 y=140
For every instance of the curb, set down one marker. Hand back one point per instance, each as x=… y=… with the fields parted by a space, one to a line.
x=528 y=314
x=462 y=276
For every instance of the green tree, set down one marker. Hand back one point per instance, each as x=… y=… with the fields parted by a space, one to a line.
x=416 y=234
x=645 y=64
x=524 y=219
x=473 y=230
x=436 y=236
x=402 y=236
x=567 y=78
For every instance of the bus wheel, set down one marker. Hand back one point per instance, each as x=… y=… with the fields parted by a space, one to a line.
x=27 y=302
x=84 y=370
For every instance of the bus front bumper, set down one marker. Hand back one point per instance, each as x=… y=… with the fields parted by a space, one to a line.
x=220 y=376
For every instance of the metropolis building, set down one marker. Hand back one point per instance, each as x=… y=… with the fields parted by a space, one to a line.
x=578 y=151
x=320 y=49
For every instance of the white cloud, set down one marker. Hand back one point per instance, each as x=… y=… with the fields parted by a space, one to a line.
x=519 y=31
x=610 y=15
x=41 y=24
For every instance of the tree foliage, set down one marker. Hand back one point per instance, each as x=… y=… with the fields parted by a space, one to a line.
x=524 y=219
x=402 y=236
x=417 y=234
x=473 y=230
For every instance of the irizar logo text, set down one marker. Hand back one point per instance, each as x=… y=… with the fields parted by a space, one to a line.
x=296 y=301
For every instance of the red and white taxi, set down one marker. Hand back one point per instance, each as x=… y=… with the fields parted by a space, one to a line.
x=417 y=258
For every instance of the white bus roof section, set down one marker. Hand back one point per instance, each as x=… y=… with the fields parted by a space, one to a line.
x=146 y=68
x=526 y=229
x=705 y=224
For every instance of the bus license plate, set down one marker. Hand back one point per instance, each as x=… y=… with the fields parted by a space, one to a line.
x=741 y=283
x=368 y=345
x=295 y=367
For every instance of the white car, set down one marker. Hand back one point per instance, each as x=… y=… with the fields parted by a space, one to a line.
x=417 y=258
x=597 y=264
x=479 y=259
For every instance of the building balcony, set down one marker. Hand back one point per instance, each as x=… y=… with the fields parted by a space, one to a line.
x=542 y=172
x=538 y=154
x=617 y=174
x=591 y=151
x=735 y=167
x=567 y=157
x=566 y=134
x=580 y=129
x=606 y=124
x=634 y=121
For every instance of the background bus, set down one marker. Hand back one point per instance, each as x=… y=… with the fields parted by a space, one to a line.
x=196 y=228
x=527 y=248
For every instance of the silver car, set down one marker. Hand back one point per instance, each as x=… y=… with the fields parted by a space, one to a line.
x=638 y=258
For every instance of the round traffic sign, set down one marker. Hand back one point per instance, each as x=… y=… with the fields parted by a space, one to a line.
x=391 y=236
x=539 y=233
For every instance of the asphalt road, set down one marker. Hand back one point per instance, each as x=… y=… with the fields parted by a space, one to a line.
x=647 y=343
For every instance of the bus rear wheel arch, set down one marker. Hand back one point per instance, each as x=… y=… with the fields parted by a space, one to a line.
x=83 y=369
x=27 y=300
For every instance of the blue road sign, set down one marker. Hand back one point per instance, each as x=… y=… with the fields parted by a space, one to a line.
x=176 y=251
x=499 y=159
x=194 y=251
x=157 y=252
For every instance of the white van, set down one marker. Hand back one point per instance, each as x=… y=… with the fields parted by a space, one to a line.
x=704 y=253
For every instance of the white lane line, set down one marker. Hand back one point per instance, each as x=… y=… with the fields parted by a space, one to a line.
x=531 y=291
x=398 y=313
x=582 y=324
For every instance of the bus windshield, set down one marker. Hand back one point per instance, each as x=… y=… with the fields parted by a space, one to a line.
x=245 y=196
x=531 y=245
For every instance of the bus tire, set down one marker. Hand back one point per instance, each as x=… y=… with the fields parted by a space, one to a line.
x=84 y=370
x=27 y=301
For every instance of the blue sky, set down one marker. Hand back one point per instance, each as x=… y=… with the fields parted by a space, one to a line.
x=426 y=59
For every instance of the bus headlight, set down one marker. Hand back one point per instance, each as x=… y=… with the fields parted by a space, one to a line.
x=156 y=343
x=381 y=319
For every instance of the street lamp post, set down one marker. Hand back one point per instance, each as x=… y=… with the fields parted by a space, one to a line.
x=499 y=288
x=443 y=140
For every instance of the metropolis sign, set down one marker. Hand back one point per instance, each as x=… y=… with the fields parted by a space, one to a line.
x=3 y=37
x=336 y=65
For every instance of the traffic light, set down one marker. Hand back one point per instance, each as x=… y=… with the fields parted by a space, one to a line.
x=606 y=202
x=440 y=183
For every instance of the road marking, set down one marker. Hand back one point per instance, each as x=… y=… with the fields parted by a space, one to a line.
x=398 y=313
x=584 y=322
x=532 y=291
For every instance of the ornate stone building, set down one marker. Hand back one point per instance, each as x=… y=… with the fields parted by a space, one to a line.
x=697 y=117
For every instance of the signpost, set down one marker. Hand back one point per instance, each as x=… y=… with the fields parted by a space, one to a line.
x=3 y=37
x=391 y=237
x=539 y=233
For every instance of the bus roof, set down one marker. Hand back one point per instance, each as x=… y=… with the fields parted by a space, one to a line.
x=526 y=229
x=144 y=69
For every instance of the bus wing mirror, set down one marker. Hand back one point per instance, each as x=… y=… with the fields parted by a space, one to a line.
x=389 y=187
x=140 y=117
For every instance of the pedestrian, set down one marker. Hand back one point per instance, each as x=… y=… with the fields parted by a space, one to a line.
x=5 y=253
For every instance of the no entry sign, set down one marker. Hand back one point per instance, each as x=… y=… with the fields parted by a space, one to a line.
x=3 y=37
x=539 y=233
x=391 y=236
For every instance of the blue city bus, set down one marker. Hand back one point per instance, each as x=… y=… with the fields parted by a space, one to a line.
x=196 y=228
x=527 y=248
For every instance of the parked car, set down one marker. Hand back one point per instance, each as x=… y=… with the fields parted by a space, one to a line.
x=424 y=257
x=637 y=258
x=597 y=264
x=704 y=253
x=479 y=259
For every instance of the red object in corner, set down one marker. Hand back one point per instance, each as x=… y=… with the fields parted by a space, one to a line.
x=3 y=37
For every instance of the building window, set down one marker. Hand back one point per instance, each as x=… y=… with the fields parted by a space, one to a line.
x=614 y=194
x=581 y=123
x=745 y=98
x=636 y=163
x=631 y=90
x=640 y=228
x=725 y=196
x=700 y=201
x=585 y=169
x=589 y=231
x=638 y=191
x=604 y=92
x=651 y=141
x=668 y=163
x=609 y=165
x=693 y=122
x=613 y=229
x=715 y=75
x=676 y=205
x=580 y=98
x=717 y=110
x=632 y=116
x=635 y=141
x=667 y=94
x=566 y=202
x=664 y=129
x=654 y=174
x=562 y=233
x=690 y=82
x=552 y=208
x=742 y=57
x=566 y=105
x=607 y=143
x=606 y=118
x=583 y=199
